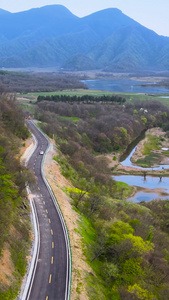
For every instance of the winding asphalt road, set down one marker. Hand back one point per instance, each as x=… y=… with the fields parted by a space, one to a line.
x=52 y=275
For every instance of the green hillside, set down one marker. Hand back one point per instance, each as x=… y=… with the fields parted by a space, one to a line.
x=14 y=209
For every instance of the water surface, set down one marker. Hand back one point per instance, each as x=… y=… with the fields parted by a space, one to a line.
x=147 y=182
x=124 y=85
x=146 y=197
x=128 y=163
x=150 y=183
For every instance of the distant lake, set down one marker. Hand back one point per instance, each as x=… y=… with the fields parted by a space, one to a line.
x=124 y=85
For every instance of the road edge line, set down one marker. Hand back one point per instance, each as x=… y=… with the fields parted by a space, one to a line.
x=31 y=267
x=65 y=230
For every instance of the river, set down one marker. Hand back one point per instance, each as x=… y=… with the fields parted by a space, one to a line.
x=128 y=163
x=153 y=185
x=150 y=183
x=125 y=86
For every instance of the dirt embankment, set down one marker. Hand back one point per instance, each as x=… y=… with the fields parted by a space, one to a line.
x=26 y=150
x=6 y=267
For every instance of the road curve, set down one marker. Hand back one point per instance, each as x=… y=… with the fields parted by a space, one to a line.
x=51 y=280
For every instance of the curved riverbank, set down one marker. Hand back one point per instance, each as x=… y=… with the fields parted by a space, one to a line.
x=141 y=178
x=160 y=166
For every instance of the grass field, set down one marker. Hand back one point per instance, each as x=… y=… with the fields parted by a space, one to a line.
x=131 y=97
x=152 y=143
x=149 y=160
x=64 y=119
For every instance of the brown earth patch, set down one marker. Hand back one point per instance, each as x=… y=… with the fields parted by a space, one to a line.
x=149 y=79
x=110 y=159
x=15 y=233
x=26 y=149
x=25 y=145
x=6 y=267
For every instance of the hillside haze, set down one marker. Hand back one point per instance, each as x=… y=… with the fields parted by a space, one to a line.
x=52 y=36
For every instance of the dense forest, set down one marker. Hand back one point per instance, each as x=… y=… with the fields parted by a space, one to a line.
x=14 y=209
x=103 y=128
x=86 y=99
x=126 y=244
x=38 y=82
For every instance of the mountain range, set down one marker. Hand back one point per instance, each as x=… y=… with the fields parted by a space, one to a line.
x=51 y=36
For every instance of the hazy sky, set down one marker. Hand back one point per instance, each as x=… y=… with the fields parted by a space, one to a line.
x=154 y=14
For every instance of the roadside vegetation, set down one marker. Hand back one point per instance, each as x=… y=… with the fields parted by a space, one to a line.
x=126 y=244
x=14 y=209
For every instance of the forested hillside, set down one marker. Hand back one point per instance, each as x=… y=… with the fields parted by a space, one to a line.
x=126 y=244
x=14 y=209
x=107 y=40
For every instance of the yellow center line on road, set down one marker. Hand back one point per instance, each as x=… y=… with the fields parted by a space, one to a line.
x=52 y=260
x=46 y=211
x=41 y=195
x=47 y=297
x=49 y=221
x=44 y=202
x=38 y=188
x=51 y=232
x=53 y=245
x=50 y=278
